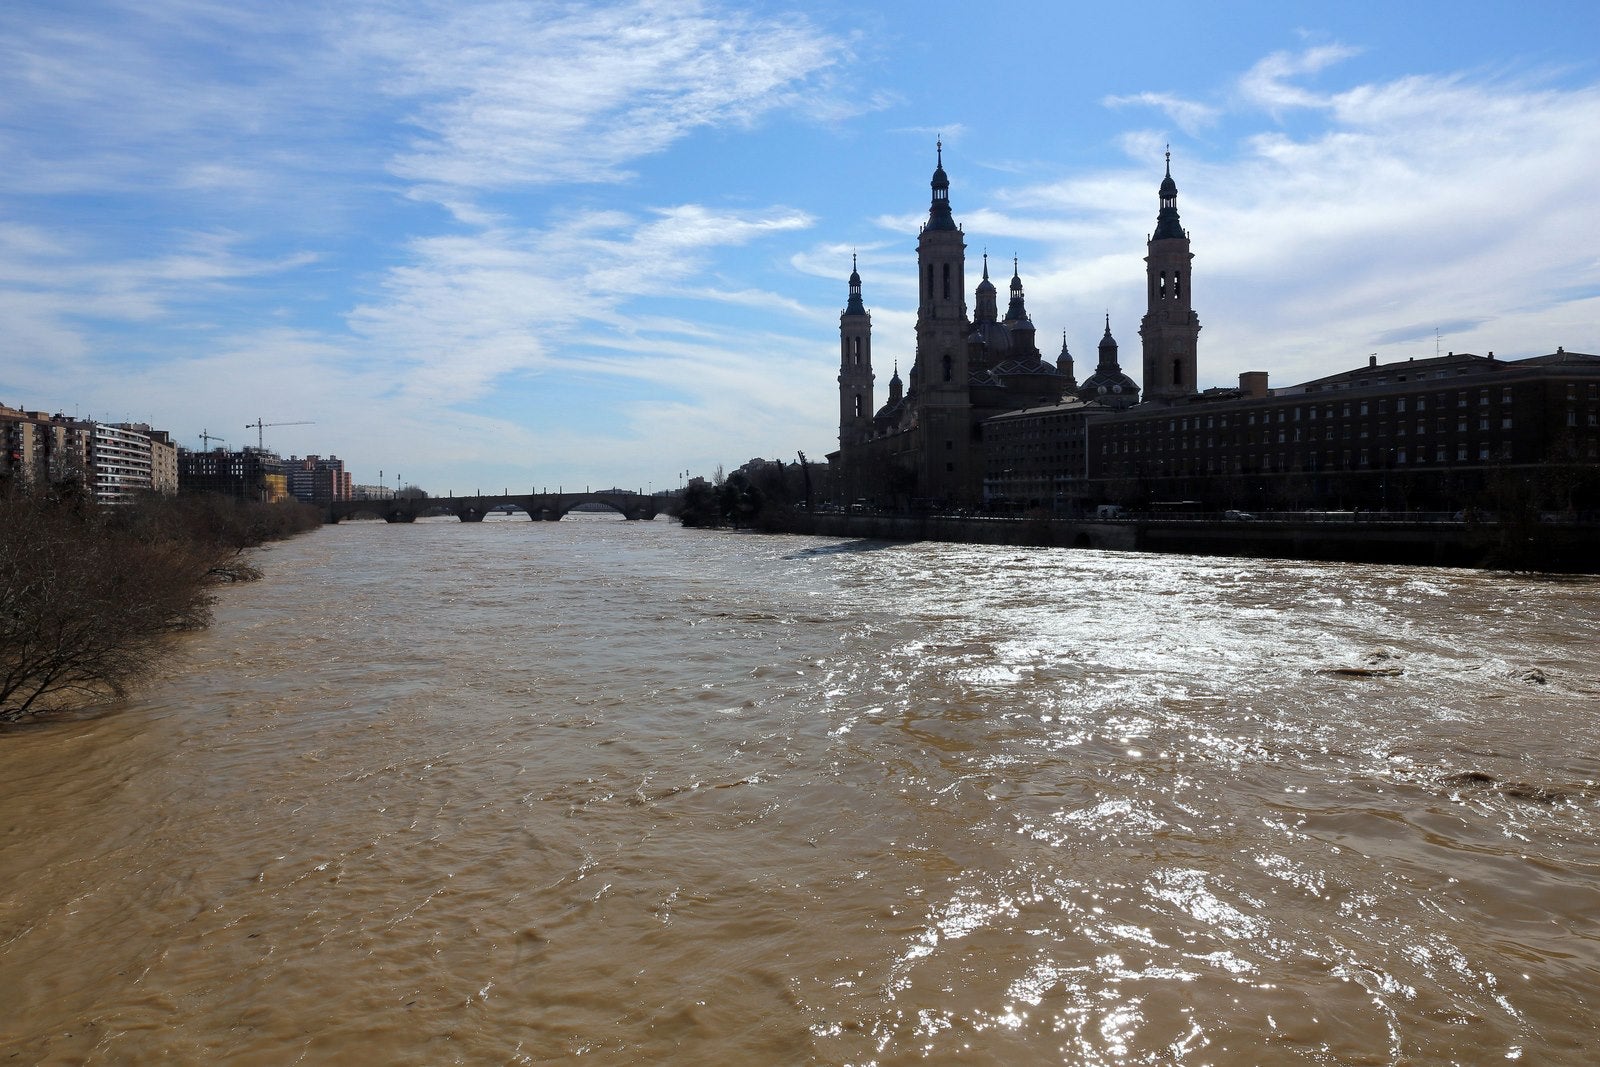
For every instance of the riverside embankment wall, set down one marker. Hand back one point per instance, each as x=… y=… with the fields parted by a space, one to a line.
x=1566 y=547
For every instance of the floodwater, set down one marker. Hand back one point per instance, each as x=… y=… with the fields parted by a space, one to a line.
x=609 y=792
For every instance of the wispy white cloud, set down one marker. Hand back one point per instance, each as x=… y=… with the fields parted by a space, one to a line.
x=472 y=308
x=167 y=95
x=420 y=222
x=544 y=92
x=252 y=118
x=1270 y=83
x=1189 y=116
x=1412 y=203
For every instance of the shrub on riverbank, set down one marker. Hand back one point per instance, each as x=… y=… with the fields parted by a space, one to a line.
x=89 y=596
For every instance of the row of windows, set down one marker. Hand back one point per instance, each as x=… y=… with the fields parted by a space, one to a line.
x=1463 y=424
x=1297 y=435
x=1186 y=444
x=1348 y=459
x=1345 y=409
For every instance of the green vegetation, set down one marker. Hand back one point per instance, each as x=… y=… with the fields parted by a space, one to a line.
x=762 y=494
x=90 y=596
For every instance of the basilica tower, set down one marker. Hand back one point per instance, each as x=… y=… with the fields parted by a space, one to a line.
x=939 y=378
x=855 y=366
x=1170 y=329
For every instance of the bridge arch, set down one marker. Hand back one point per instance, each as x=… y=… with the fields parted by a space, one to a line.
x=537 y=506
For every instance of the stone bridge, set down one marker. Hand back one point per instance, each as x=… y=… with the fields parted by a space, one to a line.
x=537 y=506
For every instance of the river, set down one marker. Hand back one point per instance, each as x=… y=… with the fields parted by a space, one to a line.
x=611 y=792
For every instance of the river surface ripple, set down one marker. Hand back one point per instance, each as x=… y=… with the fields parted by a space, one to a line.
x=615 y=792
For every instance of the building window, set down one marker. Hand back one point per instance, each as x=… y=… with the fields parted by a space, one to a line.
x=1400 y=405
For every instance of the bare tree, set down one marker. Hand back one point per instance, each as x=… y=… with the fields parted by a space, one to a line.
x=90 y=596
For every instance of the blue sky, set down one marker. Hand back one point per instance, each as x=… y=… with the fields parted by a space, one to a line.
x=530 y=244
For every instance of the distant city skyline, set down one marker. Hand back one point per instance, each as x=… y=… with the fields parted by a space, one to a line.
x=539 y=244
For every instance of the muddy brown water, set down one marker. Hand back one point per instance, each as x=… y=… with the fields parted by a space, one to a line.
x=614 y=792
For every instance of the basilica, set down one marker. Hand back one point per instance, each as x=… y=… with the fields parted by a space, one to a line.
x=983 y=421
x=926 y=442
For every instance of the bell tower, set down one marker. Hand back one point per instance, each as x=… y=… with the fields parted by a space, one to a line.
x=855 y=366
x=939 y=378
x=1170 y=329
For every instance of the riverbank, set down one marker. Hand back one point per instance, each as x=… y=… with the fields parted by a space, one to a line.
x=90 y=596
x=1343 y=537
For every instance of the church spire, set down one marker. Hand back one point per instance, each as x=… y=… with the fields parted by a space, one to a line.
x=1064 y=363
x=1170 y=329
x=939 y=217
x=986 y=309
x=1016 y=311
x=1167 y=224
x=855 y=306
x=855 y=365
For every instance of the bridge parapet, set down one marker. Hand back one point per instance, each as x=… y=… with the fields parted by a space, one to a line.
x=548 y=507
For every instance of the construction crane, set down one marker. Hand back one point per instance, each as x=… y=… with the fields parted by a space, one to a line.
x=207 y=438
x=260 y=426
